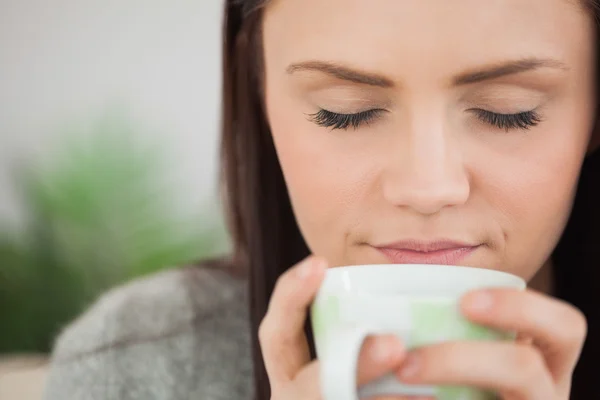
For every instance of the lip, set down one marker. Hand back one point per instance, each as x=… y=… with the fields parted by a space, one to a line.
x=441 y=252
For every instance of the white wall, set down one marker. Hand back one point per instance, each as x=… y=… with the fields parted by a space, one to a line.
x=62 y=60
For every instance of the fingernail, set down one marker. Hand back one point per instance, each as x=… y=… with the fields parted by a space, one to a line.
x=479 y=302
x=410 y=367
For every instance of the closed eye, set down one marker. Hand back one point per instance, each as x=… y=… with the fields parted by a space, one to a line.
x=333 y=120
x=523 y=120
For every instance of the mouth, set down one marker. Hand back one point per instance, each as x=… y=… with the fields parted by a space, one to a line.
x=441 y=252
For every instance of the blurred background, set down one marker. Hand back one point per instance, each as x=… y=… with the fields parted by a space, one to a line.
x=109 y=113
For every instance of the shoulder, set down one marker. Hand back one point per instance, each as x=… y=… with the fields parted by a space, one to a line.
x=180 y=321
x=150 y=308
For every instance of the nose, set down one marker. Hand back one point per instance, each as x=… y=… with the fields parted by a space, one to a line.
x=426 y=172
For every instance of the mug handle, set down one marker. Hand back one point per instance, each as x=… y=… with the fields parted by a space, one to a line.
x=339 y=366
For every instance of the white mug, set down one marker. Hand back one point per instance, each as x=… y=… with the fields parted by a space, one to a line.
x=418 y=303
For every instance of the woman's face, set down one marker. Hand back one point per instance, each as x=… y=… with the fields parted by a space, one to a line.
x=427 y=131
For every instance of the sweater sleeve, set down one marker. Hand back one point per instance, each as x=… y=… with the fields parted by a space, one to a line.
x=177 y=335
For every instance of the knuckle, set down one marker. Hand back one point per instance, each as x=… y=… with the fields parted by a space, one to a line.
x=267 y=327
x=284 y=286
x=265 y=331
x=573 y=327
x=281 y=283
x=281 y=293
x=577 y=327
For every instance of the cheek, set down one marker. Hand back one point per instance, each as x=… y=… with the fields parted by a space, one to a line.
x=530 y=190
x=327 y=177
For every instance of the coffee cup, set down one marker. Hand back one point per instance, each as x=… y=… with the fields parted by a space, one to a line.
x=418 y=303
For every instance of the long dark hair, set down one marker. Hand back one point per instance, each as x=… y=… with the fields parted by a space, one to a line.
x=264 y=232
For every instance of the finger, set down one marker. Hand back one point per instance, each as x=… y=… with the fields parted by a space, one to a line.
x=400 y=398
x=379 y=356
x=556 y=327
x=514 y=371
x=281 y=333
x=307 y=387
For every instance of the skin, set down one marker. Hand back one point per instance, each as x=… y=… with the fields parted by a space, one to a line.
x=428 y=167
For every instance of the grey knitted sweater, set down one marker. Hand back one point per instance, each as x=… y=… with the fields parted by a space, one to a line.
x=178 y=335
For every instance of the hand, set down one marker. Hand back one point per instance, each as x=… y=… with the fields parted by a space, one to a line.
x=292 y=375
x=538 y=366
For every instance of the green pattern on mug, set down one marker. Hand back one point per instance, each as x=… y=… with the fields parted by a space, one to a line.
x=435 y=322
x=325 y=315
x=463 y=393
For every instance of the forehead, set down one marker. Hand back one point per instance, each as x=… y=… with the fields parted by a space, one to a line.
x=430 y=35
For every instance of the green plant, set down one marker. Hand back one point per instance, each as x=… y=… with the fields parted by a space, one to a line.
x=101 y=213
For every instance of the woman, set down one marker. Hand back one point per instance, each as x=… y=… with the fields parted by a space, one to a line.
x=384 y=131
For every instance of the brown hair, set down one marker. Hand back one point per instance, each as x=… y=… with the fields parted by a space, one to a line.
x=266 y=237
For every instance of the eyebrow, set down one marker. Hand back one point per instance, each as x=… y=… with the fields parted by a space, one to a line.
x=343 y=73
x=507 y=68
x=372 y=79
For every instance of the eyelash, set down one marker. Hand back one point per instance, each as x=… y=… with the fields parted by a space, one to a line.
x=334 y=121
x=523 y=120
